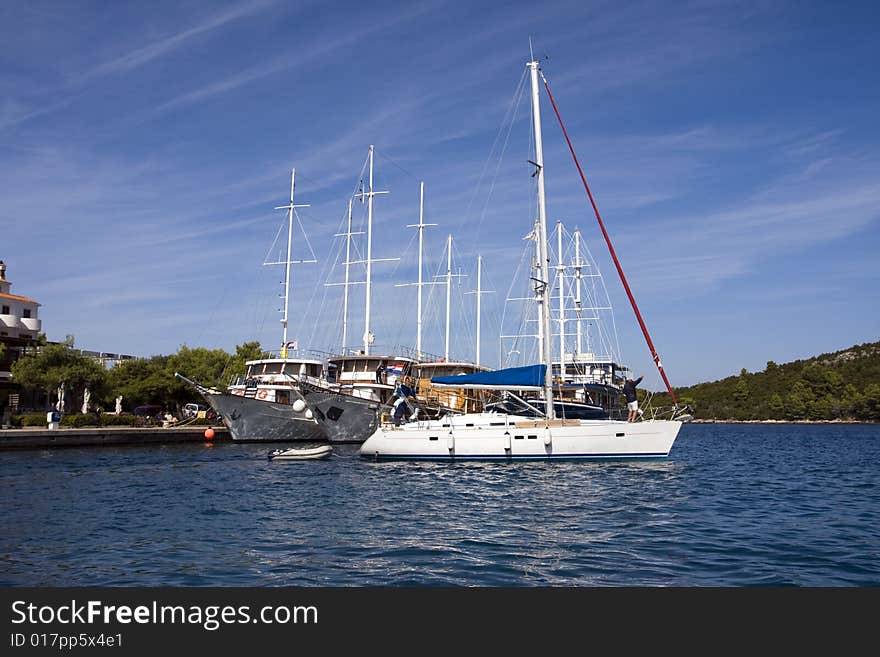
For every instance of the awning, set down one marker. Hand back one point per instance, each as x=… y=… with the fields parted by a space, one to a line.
x=511 y=378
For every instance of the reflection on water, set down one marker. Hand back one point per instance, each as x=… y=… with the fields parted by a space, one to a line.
x=734 y=505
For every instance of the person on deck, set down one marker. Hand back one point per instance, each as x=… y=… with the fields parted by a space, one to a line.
x=380 y=372
x=632 y=403
x=401 y=406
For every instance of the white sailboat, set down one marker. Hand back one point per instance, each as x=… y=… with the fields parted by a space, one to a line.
x=503 y=436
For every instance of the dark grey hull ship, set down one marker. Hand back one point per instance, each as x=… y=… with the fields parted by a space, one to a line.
x=344 y=418
x=257 y=420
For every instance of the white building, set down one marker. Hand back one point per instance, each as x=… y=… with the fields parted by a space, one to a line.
x=19 y=323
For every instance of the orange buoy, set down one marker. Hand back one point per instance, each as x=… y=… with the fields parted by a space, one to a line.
x=209 y=433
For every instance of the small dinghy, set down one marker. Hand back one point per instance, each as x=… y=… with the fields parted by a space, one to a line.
x=300 y=453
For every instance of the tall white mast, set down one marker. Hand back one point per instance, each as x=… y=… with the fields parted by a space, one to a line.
x=345 y=292
x=480 y=292
x=577 y=289
x=543 y=288
x=560 y=277
x=367 y=334
x=421 y=243
x=348 y=262
x=287 y=265
x=448 y=291
x=290 y=207
x=420 y=226
x=448 y=276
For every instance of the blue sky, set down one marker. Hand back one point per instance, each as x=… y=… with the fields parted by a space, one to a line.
x=732 y=147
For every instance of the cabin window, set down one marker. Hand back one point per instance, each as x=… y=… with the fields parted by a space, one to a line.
x=282 y=396
x=533 y=437
x=433 y=438
x=27 y=313
x=517 y=437
x=273 y=368
x=620 y=435
x=469 y=424
x=5 y=310
x=496 y=424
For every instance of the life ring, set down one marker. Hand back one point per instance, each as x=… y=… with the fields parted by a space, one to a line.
x=262 y=394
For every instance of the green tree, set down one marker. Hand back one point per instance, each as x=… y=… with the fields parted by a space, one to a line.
x=776 y=407
x=871 y=403
x=47 y=368
x=799 y=400
x=741 y=391
x=206 y=366
x=823 y=408
x=243 y=353
x=851 y=401
x=139 y=381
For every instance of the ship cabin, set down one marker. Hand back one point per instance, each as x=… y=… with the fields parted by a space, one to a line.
x=268 y=379
x=444 y=398
x=373 y=377
x=585 y=378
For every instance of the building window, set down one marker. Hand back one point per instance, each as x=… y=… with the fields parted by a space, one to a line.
x=27 y=313
x=3 y=333
x=5 y=310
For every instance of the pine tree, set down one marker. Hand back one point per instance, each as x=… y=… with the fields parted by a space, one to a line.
x=776 y=407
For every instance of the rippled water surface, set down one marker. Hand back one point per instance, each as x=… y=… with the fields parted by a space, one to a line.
x=733 y=505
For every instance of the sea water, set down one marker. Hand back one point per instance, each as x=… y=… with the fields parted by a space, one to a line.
x=733 y=505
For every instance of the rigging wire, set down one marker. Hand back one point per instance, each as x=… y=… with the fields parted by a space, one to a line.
x=510 y=112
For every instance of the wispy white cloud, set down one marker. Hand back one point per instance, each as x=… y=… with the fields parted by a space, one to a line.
x=778 y=221
x=338 y=38
x=168 y=45
x=61 y=95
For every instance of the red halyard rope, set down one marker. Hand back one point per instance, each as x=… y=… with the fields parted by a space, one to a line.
x=629 y=293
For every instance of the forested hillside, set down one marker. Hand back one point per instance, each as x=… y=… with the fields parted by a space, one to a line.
x=844 y=385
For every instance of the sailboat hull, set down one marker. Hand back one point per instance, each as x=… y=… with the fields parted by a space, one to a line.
x=523 y=439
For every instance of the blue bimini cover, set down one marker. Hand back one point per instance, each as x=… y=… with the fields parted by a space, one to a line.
x=512 y=378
